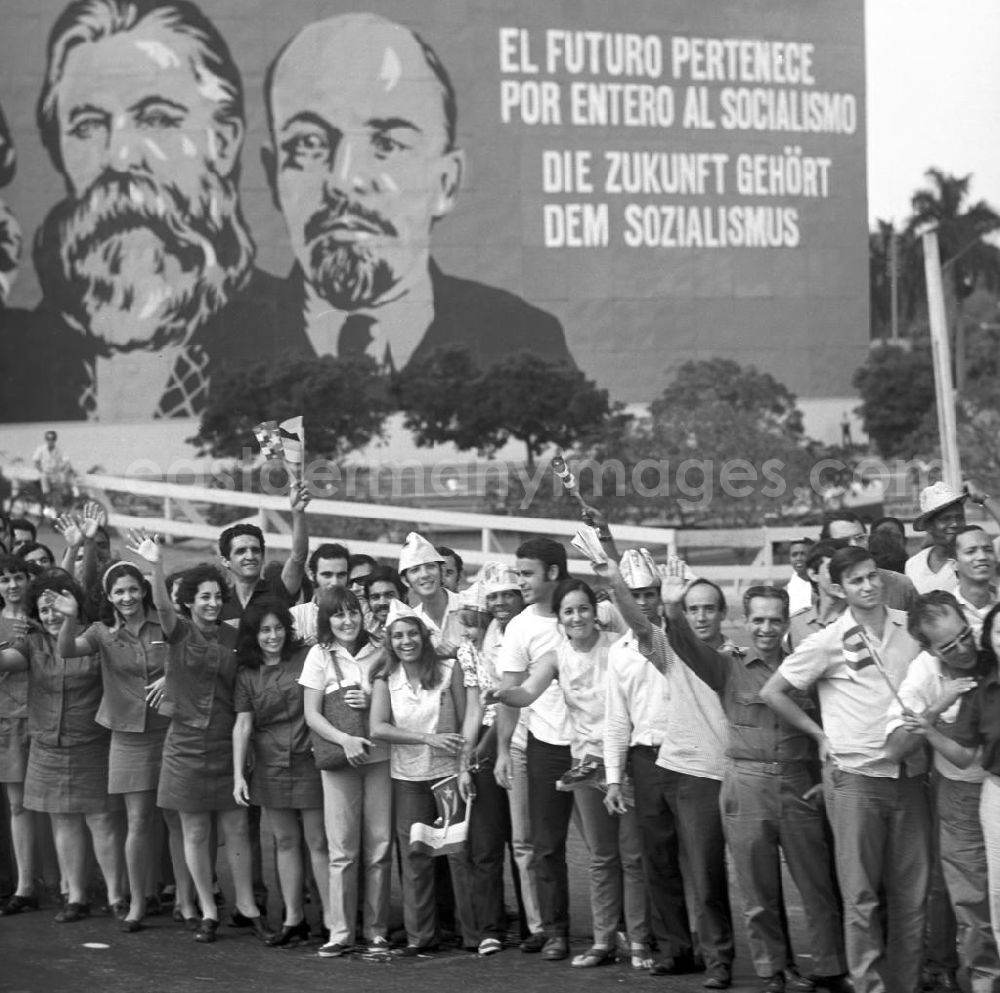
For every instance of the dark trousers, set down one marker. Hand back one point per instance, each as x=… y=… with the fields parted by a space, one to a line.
x=550 y=810
x=489 y=831
x=677 y=812
x=413 y=802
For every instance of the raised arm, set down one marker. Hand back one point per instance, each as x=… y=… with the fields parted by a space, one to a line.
x=598 y=520
x=978 y=495
x=147 y=546
x=634 y=617
x=704 y=661
x=294 y=568
x=68 y=645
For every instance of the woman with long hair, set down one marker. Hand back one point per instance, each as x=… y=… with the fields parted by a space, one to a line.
x=67 y=774
x=284 y=782
x=130 y=642
x=421 y=707
x=616 y=878
x=197 y=774
x=357 y=797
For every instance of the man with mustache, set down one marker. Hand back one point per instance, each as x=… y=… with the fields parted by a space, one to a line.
x=146 y=267
x=363 y=164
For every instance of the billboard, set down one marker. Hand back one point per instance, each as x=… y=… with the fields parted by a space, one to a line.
x=622 y=186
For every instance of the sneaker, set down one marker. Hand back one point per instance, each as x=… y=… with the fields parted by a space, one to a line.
x=489 y=946
x=333 y=950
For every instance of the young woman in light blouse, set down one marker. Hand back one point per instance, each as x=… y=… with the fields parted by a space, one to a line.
x=421 y=707
x=357 y=798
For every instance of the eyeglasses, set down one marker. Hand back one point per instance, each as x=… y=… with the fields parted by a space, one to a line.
x=964 y=636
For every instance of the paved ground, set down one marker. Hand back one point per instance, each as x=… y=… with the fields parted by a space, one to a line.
x=39 y=956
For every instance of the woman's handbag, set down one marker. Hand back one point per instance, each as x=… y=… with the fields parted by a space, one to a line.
x=327 y=754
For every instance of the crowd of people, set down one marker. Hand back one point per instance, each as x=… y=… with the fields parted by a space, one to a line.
x=854 y=736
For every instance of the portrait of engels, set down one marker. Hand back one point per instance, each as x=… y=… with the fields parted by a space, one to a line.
x=147 y=266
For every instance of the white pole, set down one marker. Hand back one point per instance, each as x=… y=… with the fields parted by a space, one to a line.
x=941 y=350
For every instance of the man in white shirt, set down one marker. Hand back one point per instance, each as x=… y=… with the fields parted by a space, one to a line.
x=327 y=567
x=976 y=566
x=799 y=588
x=530 y=637
x=877 y=806
x=676 y=737
x=421 y=568
x=933 y=687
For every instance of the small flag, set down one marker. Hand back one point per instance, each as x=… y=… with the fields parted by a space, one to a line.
x=856 y=650
x=293 y=440
x=448 y=834
x=269 y=439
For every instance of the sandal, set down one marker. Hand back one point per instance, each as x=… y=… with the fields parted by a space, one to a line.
x=640 y=957
x=593 y=957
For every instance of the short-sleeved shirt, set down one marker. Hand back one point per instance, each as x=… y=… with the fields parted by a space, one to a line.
x=978 y=722
x=273 y=695
x=583 y=680
x=319 y=673
x=923 y=687
x=63 y=694
x=925 y=579
x=530 y=636
x=201 y=672
x=129 y=663
x=800 y=593
x=49 y=461
x=446 y=630
x=854 y=697
x=419 y=710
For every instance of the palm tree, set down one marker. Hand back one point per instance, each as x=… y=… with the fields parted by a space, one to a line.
x=968 y=260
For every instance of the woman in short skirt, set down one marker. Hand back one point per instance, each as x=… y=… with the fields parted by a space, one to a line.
x=67 y=776
x=196 y=778
x=130 y=643
x=285 y=782
x=14 y=735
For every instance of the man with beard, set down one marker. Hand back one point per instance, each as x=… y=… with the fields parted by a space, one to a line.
x=363 y=164
x=146 y=267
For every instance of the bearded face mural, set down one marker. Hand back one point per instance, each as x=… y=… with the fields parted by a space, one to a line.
x=146 y=262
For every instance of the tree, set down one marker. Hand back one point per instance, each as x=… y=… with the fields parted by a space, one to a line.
x=897 y=388
x=539 y=402
x=344 y=402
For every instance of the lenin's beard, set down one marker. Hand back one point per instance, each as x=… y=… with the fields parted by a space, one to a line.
x=138 y=265
x=348 y=275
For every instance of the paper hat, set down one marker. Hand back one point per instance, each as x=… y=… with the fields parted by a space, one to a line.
x=473 y=598
x=498 y=577
x=399 y=611
x=934 y=499
x=638 y=569
x=417 y=550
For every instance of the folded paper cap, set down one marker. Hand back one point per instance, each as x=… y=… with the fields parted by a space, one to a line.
x=638 y=569
x=399 y=611
x=934 y=499
x=417 y=550
x=473 y=598
x=498 y=577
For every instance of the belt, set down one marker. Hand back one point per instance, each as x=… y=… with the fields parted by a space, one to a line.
x=770 y=768
x=650 y=749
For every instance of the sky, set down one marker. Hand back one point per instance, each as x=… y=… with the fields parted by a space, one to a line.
x=933 y=98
